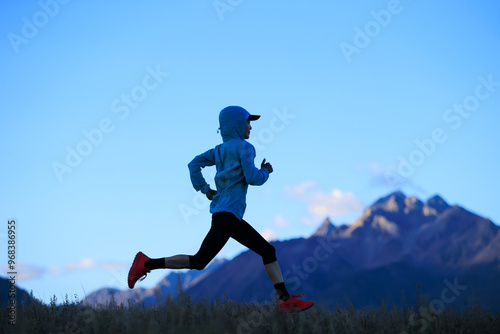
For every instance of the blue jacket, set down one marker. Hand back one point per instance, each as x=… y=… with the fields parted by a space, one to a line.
x=234 y=160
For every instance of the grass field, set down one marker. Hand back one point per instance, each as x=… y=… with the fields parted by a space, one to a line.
x=181 y=315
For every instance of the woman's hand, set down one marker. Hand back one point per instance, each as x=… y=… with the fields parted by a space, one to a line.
x=210 y=194
x=267 y=166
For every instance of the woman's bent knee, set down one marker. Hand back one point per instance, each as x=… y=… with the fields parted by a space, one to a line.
x=195 y=262
x=270 y=255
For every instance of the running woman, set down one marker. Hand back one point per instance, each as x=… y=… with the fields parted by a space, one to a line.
x=234 y=160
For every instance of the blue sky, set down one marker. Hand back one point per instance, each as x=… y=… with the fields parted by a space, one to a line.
x=104 y=105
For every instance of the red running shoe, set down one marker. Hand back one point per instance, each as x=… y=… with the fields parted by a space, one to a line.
x=138 y=271
x=294 y=304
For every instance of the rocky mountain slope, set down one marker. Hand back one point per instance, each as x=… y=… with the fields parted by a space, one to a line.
x=398 y=243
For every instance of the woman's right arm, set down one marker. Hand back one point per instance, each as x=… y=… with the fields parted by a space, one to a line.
x=195 y=166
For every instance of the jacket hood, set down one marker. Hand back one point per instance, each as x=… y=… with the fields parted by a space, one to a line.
x=232 y=122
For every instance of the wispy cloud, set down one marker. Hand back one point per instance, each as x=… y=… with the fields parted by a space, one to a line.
x=281 y=222
x=26 y=271
x=387 y=176
x=320 y=204
x=334 y=204
x=269 y=234
x=83 y=264
x=301 y=189
x=114 y=265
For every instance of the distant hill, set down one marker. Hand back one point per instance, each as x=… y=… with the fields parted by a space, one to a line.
x=171 y=284
x=398 y=243
x=21 y=295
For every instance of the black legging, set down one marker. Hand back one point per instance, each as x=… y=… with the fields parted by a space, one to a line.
x=226 y=225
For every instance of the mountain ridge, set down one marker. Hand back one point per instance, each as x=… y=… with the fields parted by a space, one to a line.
x=398 y=243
